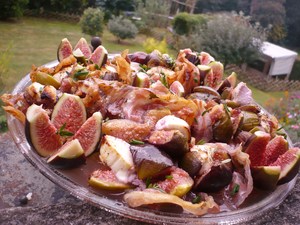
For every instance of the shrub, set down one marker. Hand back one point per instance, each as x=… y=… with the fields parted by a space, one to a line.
x=12 y=8
x=230 y=38
x=122 y=28
x=151 y=44
x=91 y=22
x=184 y=23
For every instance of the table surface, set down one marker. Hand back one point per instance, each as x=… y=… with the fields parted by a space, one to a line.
x=52 y=205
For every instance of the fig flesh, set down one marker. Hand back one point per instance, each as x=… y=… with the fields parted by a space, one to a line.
x=89 y=133
x=69 y=110
x=64 y=49
x=69 y=155
x=84 y=47
x=40 y=132
x=289 y=163
x=107 y=180
x=99 y=56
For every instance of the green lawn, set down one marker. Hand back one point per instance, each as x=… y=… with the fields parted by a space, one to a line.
x=35 y=41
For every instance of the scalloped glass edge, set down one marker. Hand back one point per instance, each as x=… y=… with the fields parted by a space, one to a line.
x=233 y=217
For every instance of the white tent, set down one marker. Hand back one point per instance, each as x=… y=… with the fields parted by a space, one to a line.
x=281 y=60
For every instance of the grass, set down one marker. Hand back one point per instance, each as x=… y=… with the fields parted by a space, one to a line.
x=35 y=41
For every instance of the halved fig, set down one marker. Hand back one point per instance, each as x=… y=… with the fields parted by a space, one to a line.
x=40 y=132
x=69 y=155
x=84 y=47
x=215 y=179
x=178 y=182
x=107 y=180
x=69 y=110
x=172 y=142
x=265 y=177
x=276 y=147
x=250 y=120
x=115 y=153
x=191 y=163
x=64 y=49
x=126 y=129
x=141 y=80
x=289 y=163
x=256 y=146
x=223 y=128
x=139 y=57
x=171 y=122
x=99 y=56
x=149 y=160
x=229 y=82
x=204 y=71
x=213 y=79
x=89 y=133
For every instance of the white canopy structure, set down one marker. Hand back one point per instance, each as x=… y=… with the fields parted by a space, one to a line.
x=280 y=60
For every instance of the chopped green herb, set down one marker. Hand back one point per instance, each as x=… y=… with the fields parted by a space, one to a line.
x=196 y=80
x=195 y=120
x=197 y=199
x=201 y=142
x=169 y=177
x=163 y=79
x=235 y=189
x=144 y=68
x=136 y=142
x=226 y=108
x=280 y=128
x=64 y=133
x=148 y=182
x=80 y=73
x=204 y=112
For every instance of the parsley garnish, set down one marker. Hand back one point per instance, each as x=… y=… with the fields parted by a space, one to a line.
x=163 y=79
x=235 y=189
x=201 y=142
x=64 y=133
x=136 y=142
x=169 y=177
x=197 y=199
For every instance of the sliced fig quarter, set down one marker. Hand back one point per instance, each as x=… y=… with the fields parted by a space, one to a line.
x=64 y=49
x=40 y=132
x=107 y=180
x=99 y=56
x=289 y=163
x=69 y=155
x=265 y=177
x=84 y=47
x=89 y=133
x=69 y=110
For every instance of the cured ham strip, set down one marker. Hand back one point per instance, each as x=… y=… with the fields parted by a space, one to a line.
x=139 y=198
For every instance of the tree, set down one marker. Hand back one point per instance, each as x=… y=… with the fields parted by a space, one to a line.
x=203 y=6
x=292 y=22
x=12 y=8
x=154 y=13
x=91 y=22
x=115 y=7
x=270 y=13
x=230 y=38
x=122 y=28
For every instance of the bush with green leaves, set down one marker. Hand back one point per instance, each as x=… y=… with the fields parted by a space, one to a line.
x=12 y=8
x=91 y=21
x=122 y=28
x=154 y=13
x=151 y=44
x=185 y=23
x=230 y=38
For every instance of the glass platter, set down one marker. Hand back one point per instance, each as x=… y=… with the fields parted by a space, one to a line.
x=112 y=203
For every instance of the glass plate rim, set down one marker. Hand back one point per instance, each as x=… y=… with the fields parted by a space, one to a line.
x=241 y=215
